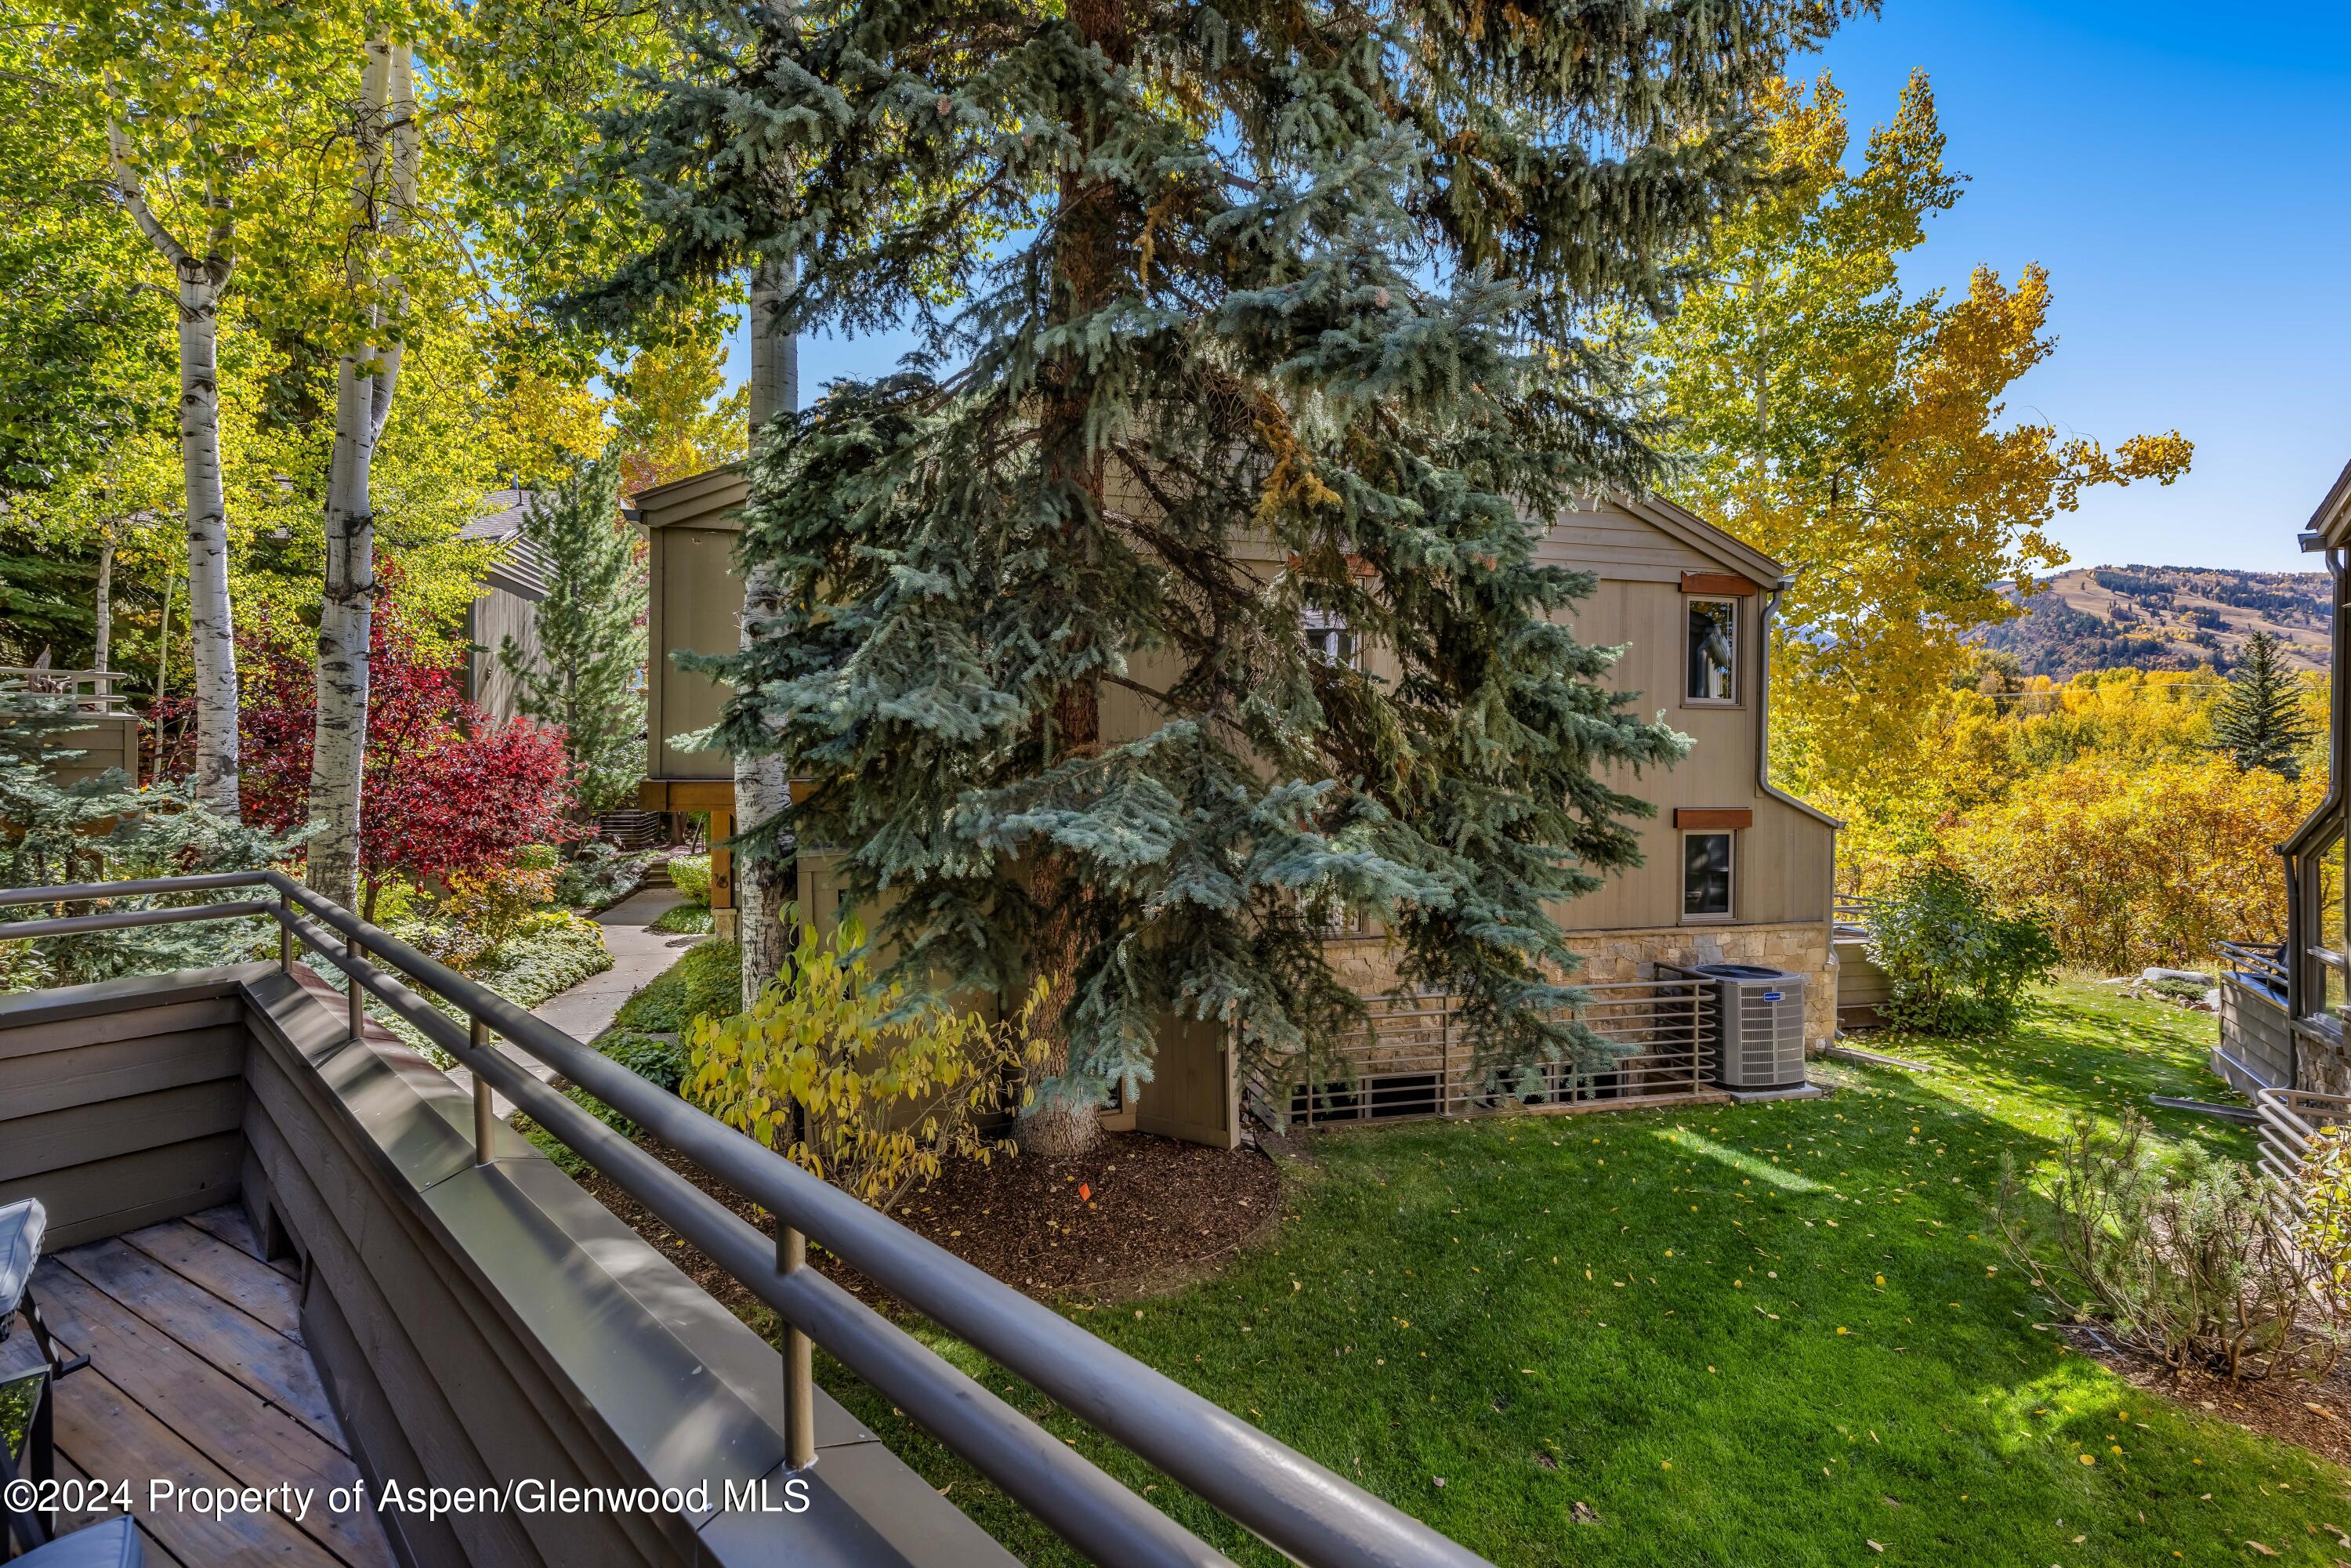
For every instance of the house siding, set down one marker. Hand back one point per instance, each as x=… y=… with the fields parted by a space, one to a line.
x=1784 y=859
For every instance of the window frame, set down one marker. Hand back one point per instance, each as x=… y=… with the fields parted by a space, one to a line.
x=1316 y=619
x=1689 y=603
x=1729 y=912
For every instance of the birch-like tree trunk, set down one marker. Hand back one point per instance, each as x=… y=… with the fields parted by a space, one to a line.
x=764 y=877
x=212 y=633
x=103 y=646
x=367 y=375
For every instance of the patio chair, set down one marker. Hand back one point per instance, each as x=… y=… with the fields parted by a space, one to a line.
x=111 y=1543
x=22 y=1224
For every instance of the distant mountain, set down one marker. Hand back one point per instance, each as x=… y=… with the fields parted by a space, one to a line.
x=2163 y=618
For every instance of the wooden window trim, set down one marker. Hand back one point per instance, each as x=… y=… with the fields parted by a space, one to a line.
x=1718 y=585
x=1729 y=917
x=1713 y=819
x=1738 y=648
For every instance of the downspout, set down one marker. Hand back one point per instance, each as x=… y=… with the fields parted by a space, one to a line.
x=1763 y=767
x=1764 y=700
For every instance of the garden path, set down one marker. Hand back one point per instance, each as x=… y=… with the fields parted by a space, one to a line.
x=586 y=1011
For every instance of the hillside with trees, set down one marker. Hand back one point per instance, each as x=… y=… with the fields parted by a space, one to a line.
x=2162 y=618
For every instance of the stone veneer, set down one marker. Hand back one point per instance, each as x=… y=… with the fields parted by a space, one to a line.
x=1803 y=948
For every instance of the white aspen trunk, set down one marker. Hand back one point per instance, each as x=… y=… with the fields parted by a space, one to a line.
x=102 y=646
x=762 y=788
x=211 y=632
x=367 y=376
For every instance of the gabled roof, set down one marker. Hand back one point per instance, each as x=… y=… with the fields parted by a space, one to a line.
x=2332 y=521
x=1705 y=537
x=708 y=498
x=520 y=567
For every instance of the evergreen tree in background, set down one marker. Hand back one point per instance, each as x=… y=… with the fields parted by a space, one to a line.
x=592 y=636
x=106 y=829
x=1259 y=311
x=2259 y=722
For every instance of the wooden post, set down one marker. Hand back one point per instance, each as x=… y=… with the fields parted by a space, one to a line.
x=722 y=873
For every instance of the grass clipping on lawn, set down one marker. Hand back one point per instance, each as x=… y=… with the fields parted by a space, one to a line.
x=1780 y=1333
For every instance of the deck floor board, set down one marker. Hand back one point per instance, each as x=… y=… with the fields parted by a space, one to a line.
x=188 y=1384
x=229 y=1224
x=215 y=1329
x=233 y=1275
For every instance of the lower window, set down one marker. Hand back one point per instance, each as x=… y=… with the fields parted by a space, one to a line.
x=1706 y=875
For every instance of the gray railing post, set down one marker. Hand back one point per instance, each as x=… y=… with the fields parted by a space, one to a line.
x=359 y=995
x=285 y=934
x=799 y=1386
x=484 y=1115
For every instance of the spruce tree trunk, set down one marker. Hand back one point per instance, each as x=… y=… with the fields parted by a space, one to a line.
x=764 y=880
x=367 y=375
x=1095 y=251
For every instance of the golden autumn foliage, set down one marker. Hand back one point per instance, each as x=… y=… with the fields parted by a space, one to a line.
x=2131 y=863
x=861 y=1084
x=1860 y=434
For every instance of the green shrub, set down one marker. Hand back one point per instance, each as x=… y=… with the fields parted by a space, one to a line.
x=691 y=875
x=1957 y=966
x=554 y=951
x=2188 y=1256
x=600 y=875
x=705 y=982
x=685 y=920
x=660 y=1062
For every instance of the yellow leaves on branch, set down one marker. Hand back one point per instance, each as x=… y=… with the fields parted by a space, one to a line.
x=1861 y=435
x=885 y=1085
x=2135 y=863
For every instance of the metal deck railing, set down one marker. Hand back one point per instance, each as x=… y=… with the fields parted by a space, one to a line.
x=1414 y=1059
x=1303 y=1509
x=89 y=691
x=2291 y=1118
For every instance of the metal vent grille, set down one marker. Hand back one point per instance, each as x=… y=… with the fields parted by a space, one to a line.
x=1759 y=1017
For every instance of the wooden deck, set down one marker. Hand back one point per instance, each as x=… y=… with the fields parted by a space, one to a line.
x=198 y=1376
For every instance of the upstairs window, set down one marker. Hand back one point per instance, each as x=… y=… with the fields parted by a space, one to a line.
x=1329 y=639
x=1705 y=876
x=1713 y=635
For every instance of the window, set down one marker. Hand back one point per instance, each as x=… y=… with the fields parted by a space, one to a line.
x=1705 y=876
x=1713 y=650
x=1329 y=639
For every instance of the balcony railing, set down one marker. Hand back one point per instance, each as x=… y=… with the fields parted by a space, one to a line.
x=89 y=691
x=1414 y=1058
x=1304 y=1511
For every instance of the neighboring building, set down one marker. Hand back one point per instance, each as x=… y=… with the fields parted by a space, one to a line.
x=507 y=604
x=1734 y=869
x=2282 y=1012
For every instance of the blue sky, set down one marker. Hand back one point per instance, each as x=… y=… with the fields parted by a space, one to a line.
x=2186 y=177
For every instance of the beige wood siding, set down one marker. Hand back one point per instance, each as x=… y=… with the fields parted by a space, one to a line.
x=697 y=605
x=108 y=740
x=1614 y=543
x=497 y=615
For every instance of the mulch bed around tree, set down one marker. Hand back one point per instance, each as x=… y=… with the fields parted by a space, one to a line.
x=2313 y=1415
x=1137 y=1213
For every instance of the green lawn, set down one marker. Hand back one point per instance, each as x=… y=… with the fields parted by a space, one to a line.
x=1771 y=1336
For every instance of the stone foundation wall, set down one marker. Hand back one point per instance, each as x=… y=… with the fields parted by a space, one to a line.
x=1803 y=948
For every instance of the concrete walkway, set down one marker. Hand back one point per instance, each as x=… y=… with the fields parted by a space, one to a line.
x=587 y=1009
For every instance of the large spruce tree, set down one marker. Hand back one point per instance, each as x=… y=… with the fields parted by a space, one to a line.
x=1316 y=275
x=2258 y=721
